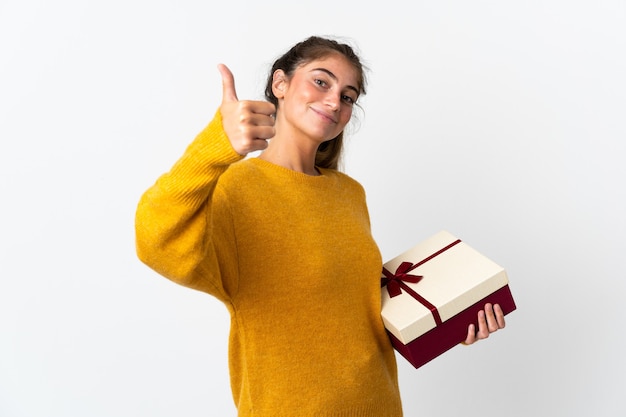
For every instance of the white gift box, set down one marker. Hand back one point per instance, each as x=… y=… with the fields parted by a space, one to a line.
x=426 y=318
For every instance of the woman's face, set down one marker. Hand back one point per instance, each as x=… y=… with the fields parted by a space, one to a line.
x=317 y=100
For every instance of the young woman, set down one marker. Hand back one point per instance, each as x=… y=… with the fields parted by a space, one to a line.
x=283 y=239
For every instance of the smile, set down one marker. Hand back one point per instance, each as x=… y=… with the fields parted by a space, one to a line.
x=326 y=116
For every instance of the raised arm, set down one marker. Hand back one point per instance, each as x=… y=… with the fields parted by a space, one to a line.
x=173 y=224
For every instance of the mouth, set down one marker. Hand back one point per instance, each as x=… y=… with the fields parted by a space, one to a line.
x=328 y=117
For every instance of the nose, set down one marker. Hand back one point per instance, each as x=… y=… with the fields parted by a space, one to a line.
x=333 y=101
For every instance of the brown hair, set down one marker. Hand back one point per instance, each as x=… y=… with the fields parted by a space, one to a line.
x=313 y=48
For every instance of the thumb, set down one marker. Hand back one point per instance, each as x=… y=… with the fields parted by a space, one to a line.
x=228 y=84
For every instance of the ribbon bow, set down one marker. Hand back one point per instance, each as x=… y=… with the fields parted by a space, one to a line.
x=395 y=282
x=392 y=280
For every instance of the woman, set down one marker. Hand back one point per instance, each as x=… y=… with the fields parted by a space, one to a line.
x=283 y=239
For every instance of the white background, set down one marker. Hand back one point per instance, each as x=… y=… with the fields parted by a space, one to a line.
x=499 y=121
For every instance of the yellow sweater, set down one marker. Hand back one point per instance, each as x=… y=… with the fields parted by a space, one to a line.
x=293 y=259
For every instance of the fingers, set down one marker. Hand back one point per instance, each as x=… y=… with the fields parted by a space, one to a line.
x=229 y=94
x=471 y=335
x=494 y=317
x=248 y=124
x=490 y=320
x=483 y=326
x=499 y=315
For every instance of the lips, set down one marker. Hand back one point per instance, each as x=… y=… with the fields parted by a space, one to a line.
x=329 y=117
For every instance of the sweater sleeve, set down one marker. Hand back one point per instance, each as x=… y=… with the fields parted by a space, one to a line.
x=173 y=224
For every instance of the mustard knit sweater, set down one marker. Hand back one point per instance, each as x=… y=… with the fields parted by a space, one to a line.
x=293 y=259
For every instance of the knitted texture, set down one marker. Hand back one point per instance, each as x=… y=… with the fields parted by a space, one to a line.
x=293 y=259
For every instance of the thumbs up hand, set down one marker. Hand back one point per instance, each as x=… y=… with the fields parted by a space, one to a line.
x=248 y=124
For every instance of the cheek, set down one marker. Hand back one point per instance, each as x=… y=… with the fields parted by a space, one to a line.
x=309 y=95
x=346 y=114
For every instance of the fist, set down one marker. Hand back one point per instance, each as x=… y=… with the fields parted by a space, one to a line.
x=248 y=124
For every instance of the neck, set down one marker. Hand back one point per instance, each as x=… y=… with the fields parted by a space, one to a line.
x=289 y=154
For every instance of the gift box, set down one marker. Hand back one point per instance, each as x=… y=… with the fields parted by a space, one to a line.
x=433 y=291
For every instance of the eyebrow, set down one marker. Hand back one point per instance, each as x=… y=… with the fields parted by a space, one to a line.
x=334 y=77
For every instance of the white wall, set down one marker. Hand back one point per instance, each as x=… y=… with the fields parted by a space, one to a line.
x=500 y=121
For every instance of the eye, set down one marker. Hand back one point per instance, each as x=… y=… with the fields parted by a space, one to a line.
x=348 y=99
x=320 y=82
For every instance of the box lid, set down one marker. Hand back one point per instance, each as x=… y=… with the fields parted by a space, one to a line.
x=452 y=281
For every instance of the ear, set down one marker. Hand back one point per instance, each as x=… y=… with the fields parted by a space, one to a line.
x=279 y=83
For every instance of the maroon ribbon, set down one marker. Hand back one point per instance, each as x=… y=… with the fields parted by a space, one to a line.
x=395 y=282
